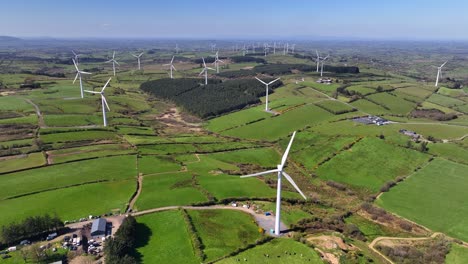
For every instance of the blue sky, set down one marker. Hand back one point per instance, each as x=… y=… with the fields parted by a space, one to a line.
x=218 y=19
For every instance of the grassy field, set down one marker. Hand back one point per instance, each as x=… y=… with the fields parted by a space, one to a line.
x=265 y=157
x=62 y=175
x=70 y=203
x=457 y=255
x=435 y=197
x=276 y=249
x=163 y=238
x=335 y=107
x=370 y=163
x=86 y=152
x=93 y=135
x=168 y=190
x=395 y=104
x=275 y=127
x=157 y=164
x=22 y=162
x=223 y=231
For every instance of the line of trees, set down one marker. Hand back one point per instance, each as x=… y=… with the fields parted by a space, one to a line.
x=210 y=100
x=120 y=248
x=277 y=69
x=29 y=227
x=241 y=59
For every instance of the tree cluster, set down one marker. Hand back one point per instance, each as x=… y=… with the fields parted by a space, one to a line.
x=29 y=227
x=432 y=252
x=120 y=248
x=241 y=59
x=277 y=69
x=237 y=74
x=434 y=114
x=209 y=100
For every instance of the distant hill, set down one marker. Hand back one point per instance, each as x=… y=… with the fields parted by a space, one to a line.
x=8 y=38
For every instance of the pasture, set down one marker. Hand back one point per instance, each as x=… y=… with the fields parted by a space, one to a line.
x=435 y=197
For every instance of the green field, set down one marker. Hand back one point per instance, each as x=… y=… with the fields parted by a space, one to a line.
x=370 y=163
x=70 y=203
x=168 y=190
x=22 y=162
x=157 y=164
x=276 y=249
x=223 y=231
x=163 y=238
x=457 y=255
x=435 y=197
x=335 y=107
x=62 y=175
x=395 y=104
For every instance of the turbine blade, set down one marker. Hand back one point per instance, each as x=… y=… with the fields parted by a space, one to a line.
x=202 y=71
x=93 y=92
x=105 y=101
x=113 y=55
x=261 y=81
x=204 y=64
x=210 y=68
x=273 y=81
x=105 y=85
x=83 y=72
x=140 y=54
x=172 y=59
x=116 y=62
x=285 y=155
x=260 y=173
x=74 y=63
x=74 y=53
x=290 y=180
x=76 y=77
x=173 y=67
x=443 y=64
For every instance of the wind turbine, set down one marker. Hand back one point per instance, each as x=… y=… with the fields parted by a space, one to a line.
x=281 y=173
x=266 y=49
x=103 y=101
x=274 y=48
x=205 y=70
x=176 y=48
x=76 y=56
x=439 y=73
x=171 y=66
x=321 y=69
x=318 y=60
x=267 y=84
x=243 y=50
x=113 y=62
x=138 y=58
x=217 y=61
x=78 y=74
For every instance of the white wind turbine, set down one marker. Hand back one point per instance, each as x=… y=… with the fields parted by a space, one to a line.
x=243 y=50
x=103 y=101
x=138 y=58
x=318 y=60
x=217 y=61
x=274 y=48
x=78 y=74
x=281 y=172
x=171 y=66
x=322 y=61
x=76 y=56
x=205 y=71
x=267 y=84
x=177 y=48
x=439 y=73
x=266 y=49
x=113 y=62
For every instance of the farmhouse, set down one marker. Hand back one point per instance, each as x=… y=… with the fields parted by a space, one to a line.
x=99 y=227
x=415 y=136
x=324 y=80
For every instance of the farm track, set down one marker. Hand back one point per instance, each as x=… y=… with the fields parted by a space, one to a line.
x=38 y=113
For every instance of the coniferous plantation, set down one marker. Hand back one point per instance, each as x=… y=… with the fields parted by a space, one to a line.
x=209 y=100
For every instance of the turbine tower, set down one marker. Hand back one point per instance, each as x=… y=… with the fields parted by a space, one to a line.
x=217 y=61
x=439 y=73
x=113 y=62
x=318 y=60
x=78 y=74
x=205 y=71
x=103 y=101
x=267 y=84
x=138 y=58
x=321 y=69
x=281 y=173
x=171 y=66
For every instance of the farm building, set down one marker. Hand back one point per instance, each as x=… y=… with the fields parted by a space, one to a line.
x=99 y=227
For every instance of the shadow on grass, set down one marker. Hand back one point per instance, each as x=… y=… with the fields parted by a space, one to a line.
x=143 y=234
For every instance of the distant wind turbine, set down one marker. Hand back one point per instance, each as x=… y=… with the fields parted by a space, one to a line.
x=205 y=71
x=439 y=73
x=113 y=62
x=318 y=60
x=267 y=84
x=171 y=66
x=103 y=101
x=78 y=75
x=281 y=173
x=176 y=48
x=217 y=61
x=322 y=61
x=138 y=58
x=76 y=56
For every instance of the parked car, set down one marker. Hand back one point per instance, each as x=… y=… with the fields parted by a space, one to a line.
x=25 y=242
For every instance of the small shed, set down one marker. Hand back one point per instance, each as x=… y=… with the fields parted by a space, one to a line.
x=99 y=227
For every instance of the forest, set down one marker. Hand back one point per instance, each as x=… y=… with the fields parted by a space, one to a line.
x=207 y=101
